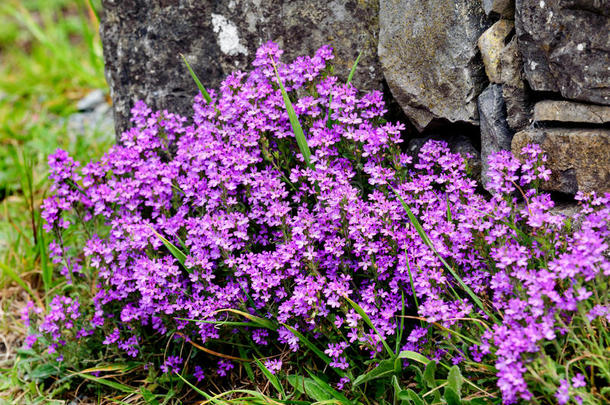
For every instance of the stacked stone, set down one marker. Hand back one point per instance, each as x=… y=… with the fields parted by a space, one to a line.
x=517 y=71
x=548 y=63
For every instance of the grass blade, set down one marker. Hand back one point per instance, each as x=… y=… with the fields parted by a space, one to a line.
x=202 y=89
x=368 y=321
x=219 y=323
x=47 y=270
x=412 y=283
x=272 y=378
x=329 y=122
x=173 y=249
x=428 y=242
x=15 y=277
x=247 y=366
x=294 y=121
x=112 y=384
x=309 y=387
x=330 y=390
x=313 y=348
x=197 y=390
x=261 y=322
x=385 y=368
x=401 y=325
x=353 y=69
x=93 y=11
x=212 y=352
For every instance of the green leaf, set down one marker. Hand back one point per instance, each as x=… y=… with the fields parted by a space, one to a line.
x=148 y=396
x=368 y=321
x=309 y=387
x=410 y=355
x=272 y=378
x=452 y=397
x=403 y=395
x=399 y=393
x=330 y=390
x=385 y=368
x=429 y=373
x=247 y=366
x=294 y=122
x=417 y=400
x=202 y=89
x=112 y=384
x=455 y=379
x=44 y=371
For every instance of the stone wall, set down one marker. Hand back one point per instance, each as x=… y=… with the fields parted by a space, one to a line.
x=496 y=73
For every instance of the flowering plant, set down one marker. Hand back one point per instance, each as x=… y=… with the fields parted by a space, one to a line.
x=221 y=230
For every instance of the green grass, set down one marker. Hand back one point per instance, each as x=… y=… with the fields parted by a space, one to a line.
x=50 y=57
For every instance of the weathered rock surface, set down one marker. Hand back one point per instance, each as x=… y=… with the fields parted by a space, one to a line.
x=505 y=8
x=428 y=51
x=578 y=158
x=518 y=107
x=566 y=47
x=491 y=44
x=514 y=89
x=143 y=41
x=495 y=133
x=569 y=111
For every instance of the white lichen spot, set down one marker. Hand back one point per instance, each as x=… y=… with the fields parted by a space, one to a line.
x=533 y=65
x=226 y=34
x=338 y=9
x=542 y=3
x=580 y=46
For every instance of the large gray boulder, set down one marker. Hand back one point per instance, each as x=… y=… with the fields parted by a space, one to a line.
x=143 y=41
x=428 y=51
x=566 y=47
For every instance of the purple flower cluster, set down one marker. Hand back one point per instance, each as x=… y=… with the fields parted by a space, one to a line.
x=265 y=233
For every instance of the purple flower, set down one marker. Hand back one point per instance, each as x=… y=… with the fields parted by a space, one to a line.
x=562 y=394
x=198 y=374
x=273 y=365
x=266 y=235
x=223 y=367
x=578 y=381
x=171 y=364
